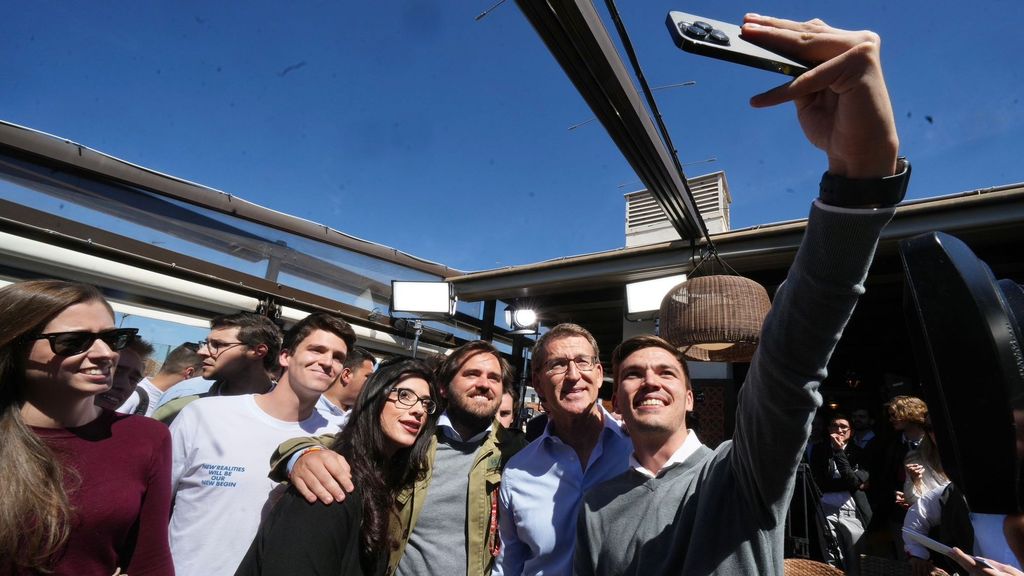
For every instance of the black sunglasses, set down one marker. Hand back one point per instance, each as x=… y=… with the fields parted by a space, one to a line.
x=71 y=343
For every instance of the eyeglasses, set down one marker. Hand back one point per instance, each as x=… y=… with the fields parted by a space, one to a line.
x=216 y=346
x=71 y=343
x=839 y=426
x=406 y=398
x=561 y=365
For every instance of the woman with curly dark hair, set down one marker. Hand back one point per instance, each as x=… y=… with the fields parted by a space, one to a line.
x=385 y=443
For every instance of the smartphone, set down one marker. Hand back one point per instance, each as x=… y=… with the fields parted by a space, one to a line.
x=936 y=546
x=722 y=40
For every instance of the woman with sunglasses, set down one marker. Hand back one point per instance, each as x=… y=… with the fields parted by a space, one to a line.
x=83 y=490
x=385 y=443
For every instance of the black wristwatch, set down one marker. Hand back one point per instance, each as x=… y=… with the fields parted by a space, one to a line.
x=868 y=192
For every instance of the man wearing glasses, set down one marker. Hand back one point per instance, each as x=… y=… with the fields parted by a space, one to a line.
x=839 y=475
x=220 y=446
x=239 y=356
x=581 y=447
x=447 y=523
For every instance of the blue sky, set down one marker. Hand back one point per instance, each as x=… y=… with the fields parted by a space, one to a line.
x=412 y=125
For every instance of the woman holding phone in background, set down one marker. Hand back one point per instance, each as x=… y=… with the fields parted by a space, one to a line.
x=385 y=443
x=84 y=491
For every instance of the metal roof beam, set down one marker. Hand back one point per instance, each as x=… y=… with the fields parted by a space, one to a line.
x=576 y=36
x=44 y=149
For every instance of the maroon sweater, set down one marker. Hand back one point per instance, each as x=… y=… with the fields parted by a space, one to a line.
x=123 y=501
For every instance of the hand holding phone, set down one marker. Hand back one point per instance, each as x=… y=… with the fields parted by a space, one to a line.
x=842 y=102
x=722 y=40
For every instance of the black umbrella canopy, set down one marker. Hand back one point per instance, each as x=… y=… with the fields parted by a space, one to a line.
x=966 y=335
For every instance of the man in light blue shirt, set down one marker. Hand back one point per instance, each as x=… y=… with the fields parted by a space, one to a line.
x=582 y=446
x=189 y=387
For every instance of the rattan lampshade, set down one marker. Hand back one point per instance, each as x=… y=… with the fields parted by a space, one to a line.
x=715 y=318
x=805 y=567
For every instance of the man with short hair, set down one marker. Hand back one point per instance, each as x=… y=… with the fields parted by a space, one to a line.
x=841 y=476
x=685 y=509
x=180 y=364
x=446 y=524
x=131 y=368
x=238 y=355
x=863 y=427
x=220 y=443
x=581 y=447
x=337 y=402
x=506 y=412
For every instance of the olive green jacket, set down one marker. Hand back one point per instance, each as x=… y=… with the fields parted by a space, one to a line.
x=484 y=480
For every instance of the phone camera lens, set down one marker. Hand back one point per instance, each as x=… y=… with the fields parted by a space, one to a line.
x=696 y=32
x=718 y=37
x=703 y=26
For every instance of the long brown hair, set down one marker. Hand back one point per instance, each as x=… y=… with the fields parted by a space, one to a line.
x=35 y=512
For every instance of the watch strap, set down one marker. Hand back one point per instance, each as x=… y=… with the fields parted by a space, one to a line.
x=867 y=192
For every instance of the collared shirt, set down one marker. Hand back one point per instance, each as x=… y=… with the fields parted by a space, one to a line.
x=190 y=387
x=439 y=542
x=862 y=440
x=541 y=491
x=989 y=539
x=688 y=447
x=444 y=424
x=909 y=443
x=921 y=518
x=332 y=412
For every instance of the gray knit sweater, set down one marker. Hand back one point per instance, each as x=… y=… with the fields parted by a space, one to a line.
x=723 y=512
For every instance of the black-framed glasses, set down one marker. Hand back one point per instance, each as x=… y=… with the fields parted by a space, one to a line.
x=216 y=347
x=71 y=343
x=406 y=398
x=561 y=365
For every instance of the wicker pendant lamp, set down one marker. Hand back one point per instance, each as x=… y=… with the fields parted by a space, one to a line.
x=715 y=318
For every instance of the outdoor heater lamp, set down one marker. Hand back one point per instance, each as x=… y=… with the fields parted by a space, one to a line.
x=521 y=320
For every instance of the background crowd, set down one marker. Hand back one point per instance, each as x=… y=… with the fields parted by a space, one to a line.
x=402 y=467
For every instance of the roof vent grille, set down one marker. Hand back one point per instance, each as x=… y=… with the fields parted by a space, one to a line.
x=646 y=223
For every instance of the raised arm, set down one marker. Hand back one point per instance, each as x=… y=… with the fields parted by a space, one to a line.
x=843 y=104
x=844 y=110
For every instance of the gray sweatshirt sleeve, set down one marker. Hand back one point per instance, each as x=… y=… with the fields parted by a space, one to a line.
x=780 y=394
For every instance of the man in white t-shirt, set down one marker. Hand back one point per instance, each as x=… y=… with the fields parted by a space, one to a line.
x=220 y=444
